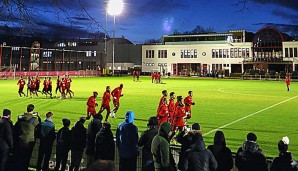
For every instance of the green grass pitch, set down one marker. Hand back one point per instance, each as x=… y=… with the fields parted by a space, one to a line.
x=234 y=106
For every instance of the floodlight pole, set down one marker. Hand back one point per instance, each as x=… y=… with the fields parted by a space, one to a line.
x=113 y=56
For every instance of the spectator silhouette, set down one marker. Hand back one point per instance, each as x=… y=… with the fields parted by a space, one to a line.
x=6 y=138
x=145 y=142
x=47 y=138
x=63 y=145
x=24 y=137
x=93 y=128
x=127 y=142
x=104 y=143
x=221 y=152
x=198 y=158
x=160 y=148
x=78 y=143
x=185 y=138
x=250 y=157
x=285 y=161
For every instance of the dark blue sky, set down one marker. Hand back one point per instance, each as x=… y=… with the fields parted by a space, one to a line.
x=142 y=20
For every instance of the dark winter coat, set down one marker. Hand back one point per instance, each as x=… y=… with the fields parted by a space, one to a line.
x=250 y=157
x=78 y=136
x=127 y=137
x=104 y=145
x=284 y=162
x=63 y=140
x=222 y=154
x=198 y=158
x=145 y=142
x=93 y=128
x=24 y=129
x=160 y=148
x=47 y=133
x=6 y=134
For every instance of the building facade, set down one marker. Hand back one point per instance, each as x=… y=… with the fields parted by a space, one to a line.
x=234 y=52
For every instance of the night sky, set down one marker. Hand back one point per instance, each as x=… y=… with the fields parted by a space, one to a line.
x=142 y=20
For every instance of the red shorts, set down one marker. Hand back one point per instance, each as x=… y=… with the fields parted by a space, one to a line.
x=91 y=110
x=116 y=103
x=105 y=106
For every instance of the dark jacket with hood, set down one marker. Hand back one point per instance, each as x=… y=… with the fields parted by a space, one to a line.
x=145 y=142
x=250 y=157
x=104 y=145
x=160 y=148
x=6 y=134
x=93 y=128
x=222 y=154
x=198 y=158
x=284 y=162
x=78 y=136
x=127 y=137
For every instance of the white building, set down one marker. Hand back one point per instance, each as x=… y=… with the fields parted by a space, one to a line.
x=233 y=52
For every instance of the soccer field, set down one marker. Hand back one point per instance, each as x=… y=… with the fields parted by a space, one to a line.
x=234 y=106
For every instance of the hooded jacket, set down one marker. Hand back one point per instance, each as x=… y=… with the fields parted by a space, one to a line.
x=127 y=137
x=160 y=147
x=250 y=157
x=222 y=154
x=198 y=158
x=78 y=136
x=104 y=145
x=6 y=134
x=283 y=162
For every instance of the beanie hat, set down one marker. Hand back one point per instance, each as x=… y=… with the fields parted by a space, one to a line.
x=49 y=114
x=66 y=122
x=251 y=137
x=283 y=144
x=6 y=112
x=152 y=121
x=195 y=126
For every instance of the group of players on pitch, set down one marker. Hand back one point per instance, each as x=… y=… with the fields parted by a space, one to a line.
x=105 y=104
x=176 y=113
x=33 y=86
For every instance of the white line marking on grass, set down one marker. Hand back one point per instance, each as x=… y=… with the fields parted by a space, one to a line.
x=240 y=119
x=222 y=91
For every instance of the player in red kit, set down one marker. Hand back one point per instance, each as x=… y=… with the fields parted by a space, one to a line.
x=50 y=87
x=178 y=122
x=67 y=86
x=171 y=107
x=134 y=75
x=62 y=86
x=33 y=88
x=138 y=75
x=288 y=82
x=164 y=94
x=152 y=77
x=91 y=105
x=37 y=80
x=163 y=112
x=105 y=103
x=116 y=94
x=58 y=85
x=188 y=103
x=21 y=84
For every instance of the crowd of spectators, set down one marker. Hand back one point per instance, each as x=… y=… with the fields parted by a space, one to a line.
x=97 y=140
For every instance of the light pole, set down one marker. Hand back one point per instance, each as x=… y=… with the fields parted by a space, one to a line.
x=115 y=7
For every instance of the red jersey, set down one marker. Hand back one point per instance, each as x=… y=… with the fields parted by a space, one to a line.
x=106 y=98
x=68 y=81
x=45 y=84
x=160 y=102
x=21 y=83
x=188 y=102
x=58 y=82
x=162 y=114
x=49 y=82
x=91 y=103
x=37 y=80
x=32 y=84
x=171 y=107
x=152 y=75
x=288 y=80
x=178 y=117
x=116 y=93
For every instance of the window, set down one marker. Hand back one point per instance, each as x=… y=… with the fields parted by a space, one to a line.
x=232 y=52
x=220 y=53
x=61 y=44
x=90 y=53
x=162 y=53
x=286 y=52
x=295 y=52
x=149 y=53
x=47 y=54
x=291 y=52
x=247 y=52
x=15 y=48
x=72 y=44
x=189 y=53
